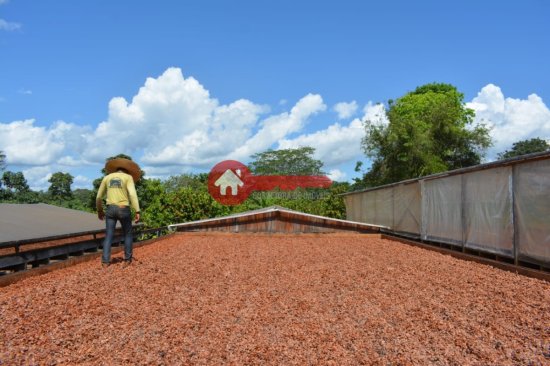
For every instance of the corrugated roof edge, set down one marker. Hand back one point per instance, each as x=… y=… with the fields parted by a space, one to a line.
x=270 y=210
x=516 y=160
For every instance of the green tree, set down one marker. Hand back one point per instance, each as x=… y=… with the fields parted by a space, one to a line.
x=298 y=161
x=317 y=201
x=148 y=190
x=15 y=182
x=183 y=205
x=195 y=181
x=79 y=201
x=29 y=196
x=60 y=186
x=429 y=131
x=332 y=205
x=16 y=189
x=82 y=195
x=525 y=147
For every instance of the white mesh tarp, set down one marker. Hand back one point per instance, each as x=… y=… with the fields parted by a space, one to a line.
x=488 y=211
x=442 y=213
x=384 y=207
x=371 y=207
x=353 y=207
x=532 y=201
x=361 y=207
x=478 y=209
x=368 y=202
x=407 y=213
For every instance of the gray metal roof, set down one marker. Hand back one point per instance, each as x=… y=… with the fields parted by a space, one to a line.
x=33 y=221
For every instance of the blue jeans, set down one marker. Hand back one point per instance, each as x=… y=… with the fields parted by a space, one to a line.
x=123 y=215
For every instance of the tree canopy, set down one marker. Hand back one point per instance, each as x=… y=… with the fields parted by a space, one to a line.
x=429 y=131
x=298 y=161
x=525 y=147
x=14 y=188
x=60 y=186
x=15 y=182
x=195 y=181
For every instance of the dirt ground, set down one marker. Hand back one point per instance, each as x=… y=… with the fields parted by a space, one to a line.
x=278 y=299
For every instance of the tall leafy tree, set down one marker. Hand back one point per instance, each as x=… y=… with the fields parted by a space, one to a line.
x=15 y=182
x=81 y=199
x=60 y=186
x=318 y=201
x=195 y=181
x=15 y=188
x=184 y=204
x=525 y=147
x=298 y=161
x=429 y=131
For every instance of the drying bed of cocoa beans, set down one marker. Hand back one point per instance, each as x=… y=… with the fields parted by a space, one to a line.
x=277 y=299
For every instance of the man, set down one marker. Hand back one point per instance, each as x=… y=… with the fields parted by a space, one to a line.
x=119 y=189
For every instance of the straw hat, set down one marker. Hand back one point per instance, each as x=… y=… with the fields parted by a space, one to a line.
x=120 y=163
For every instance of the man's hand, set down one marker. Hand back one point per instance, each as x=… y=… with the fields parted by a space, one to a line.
x=137 y=217
x=100 y=215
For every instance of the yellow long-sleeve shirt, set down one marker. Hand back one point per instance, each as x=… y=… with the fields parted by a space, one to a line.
x=120 y=190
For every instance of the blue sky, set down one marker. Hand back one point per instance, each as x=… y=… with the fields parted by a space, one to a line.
x=182 y=85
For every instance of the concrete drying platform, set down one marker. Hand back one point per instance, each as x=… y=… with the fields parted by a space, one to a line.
x=24 y=222
x=277 y=299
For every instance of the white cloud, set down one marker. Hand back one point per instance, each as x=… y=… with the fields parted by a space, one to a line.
x=161 y=172
x=174 y=121
x=375 y=114
x=510 y=119
x=164 y=110
x=336 y=175
x=27 y=144
x=9 y=26
x=345 y=110
x=279 y=126
x=338 y=143
x=172 y=125
x=71 y=161
x=333 y=145
x=25 y=91
x=81 y=181
x=37 y=177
